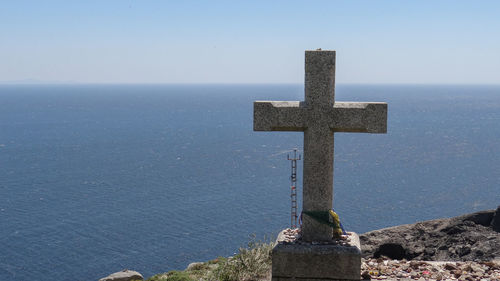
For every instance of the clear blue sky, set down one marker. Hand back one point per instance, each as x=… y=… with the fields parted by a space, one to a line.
x=140 y=41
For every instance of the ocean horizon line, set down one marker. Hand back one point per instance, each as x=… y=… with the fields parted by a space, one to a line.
x=50 y=83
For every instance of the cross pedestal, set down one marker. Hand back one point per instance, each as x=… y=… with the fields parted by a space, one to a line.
x=309 y=261
x=319 y=117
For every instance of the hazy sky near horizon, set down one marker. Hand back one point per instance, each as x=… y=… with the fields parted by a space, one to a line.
x=132 y=41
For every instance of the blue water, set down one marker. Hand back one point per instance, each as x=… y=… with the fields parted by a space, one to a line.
x=95 y=179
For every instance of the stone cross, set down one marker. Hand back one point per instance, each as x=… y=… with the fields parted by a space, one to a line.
x=319 y=116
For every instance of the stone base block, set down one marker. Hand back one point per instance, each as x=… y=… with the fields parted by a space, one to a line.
x=307 y=261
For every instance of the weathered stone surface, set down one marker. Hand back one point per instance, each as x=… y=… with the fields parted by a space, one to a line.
x=124 y=275
x=315 y=261
x=465 y=238
x=319 y=116
x=195 y=265
x=483 y=218
x=495 y=222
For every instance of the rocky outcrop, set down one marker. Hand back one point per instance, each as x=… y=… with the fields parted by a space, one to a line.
x=472 y=237
x=124 y=275
x=495 y=222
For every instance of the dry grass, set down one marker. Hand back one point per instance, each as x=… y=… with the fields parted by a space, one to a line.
x=251 y=263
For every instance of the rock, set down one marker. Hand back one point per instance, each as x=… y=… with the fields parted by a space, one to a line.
x=365 y=275
x=491 y=265
x=477 y=269
x=495 y=222
x=483 y=218
x=124 y=275
x=391 y=250
x=414 y=274
x=195 y=266
x=450 y=267
x=465 y=238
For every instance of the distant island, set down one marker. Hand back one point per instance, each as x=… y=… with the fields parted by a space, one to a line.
x=33 y=81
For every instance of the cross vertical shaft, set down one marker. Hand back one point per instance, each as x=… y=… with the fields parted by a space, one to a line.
x=318 y=142
x=319 y=117
x=320 y=78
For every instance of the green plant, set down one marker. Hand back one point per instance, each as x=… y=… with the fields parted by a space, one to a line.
x=251 y=263
x=172 y=276
x=158 y=277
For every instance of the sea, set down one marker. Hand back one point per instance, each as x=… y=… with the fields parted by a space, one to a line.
x=99 y=178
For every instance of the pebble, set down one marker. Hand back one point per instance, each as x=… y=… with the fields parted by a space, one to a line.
x=387 y=269
x=292 y=236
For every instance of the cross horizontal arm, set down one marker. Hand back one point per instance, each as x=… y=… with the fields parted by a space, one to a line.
x=359 y=117
x=278 y=116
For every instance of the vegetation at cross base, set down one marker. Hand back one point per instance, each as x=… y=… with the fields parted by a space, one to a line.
x=249 y=264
